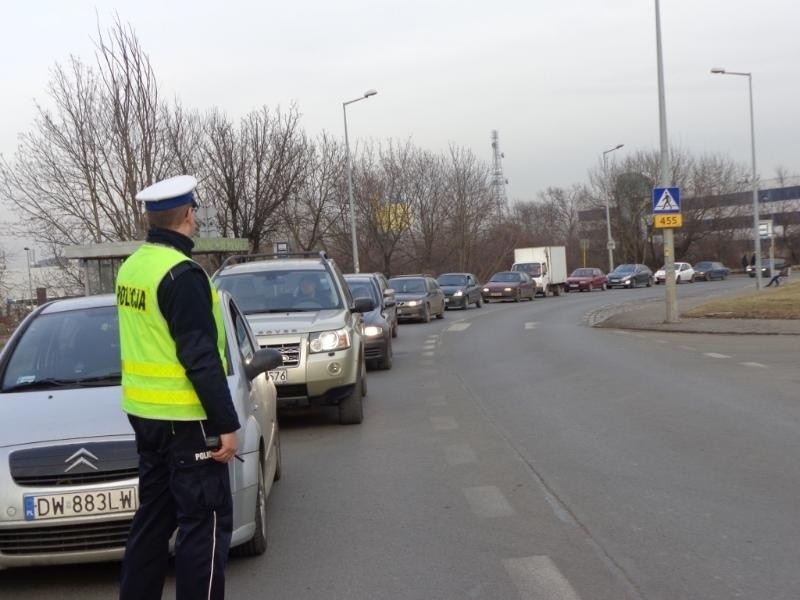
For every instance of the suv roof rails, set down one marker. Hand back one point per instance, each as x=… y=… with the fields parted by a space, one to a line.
x=243 y=258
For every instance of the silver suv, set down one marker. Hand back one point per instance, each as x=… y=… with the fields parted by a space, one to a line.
x=300 y=305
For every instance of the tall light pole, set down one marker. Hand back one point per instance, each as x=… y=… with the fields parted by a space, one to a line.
x=756 y=237
x=366 y=94
x=30 y=281
x=609 y=241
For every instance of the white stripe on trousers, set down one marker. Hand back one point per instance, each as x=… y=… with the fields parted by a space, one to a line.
x=213 y=552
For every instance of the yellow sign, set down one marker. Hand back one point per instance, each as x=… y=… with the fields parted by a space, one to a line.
x=668 y=221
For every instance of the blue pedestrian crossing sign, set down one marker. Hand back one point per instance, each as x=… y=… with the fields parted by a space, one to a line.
x=666 y=200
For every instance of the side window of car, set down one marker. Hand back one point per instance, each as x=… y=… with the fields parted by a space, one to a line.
x=243 y=340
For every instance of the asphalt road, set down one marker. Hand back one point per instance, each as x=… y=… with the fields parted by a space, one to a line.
x=514 y=452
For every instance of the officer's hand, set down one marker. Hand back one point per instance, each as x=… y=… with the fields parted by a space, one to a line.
x=227 y=448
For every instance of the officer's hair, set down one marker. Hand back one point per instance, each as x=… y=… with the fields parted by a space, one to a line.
x=168 y=219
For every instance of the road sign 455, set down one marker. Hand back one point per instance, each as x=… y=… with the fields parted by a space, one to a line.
x=668 y=221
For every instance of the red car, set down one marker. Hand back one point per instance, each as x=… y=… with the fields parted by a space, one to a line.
x=509 y=285
x=586 y=278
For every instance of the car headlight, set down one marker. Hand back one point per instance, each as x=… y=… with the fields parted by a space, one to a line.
x=459 y=293
x=485 y=290
x=413 y=303
x=327 y=341
x=626 y=278
x=372 y=330
x=508 y=289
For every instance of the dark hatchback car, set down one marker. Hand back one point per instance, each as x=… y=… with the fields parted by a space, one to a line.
x=708 y=270
x=418 y=297
x=586 y=279
x=509 y=285
x=460 y=290
x=379 y=323
x=630 y=276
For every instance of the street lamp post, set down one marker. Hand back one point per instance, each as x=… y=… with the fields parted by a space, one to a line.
x=609 y=241
x=30 y=281
x=366 y=94
x=756 y=237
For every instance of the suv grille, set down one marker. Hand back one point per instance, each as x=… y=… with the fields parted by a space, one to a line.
x=289 y=352
x=65 y=538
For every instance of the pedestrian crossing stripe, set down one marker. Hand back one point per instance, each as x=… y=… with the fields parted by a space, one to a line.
x=666 y=203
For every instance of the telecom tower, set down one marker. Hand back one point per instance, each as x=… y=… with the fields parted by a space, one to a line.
x=498 y=179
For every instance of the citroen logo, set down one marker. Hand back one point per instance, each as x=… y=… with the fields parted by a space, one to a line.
x=80 y=458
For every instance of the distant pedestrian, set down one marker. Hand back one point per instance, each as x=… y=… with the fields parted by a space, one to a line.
x=744 y=262
x=784 y=272
x=753 y=260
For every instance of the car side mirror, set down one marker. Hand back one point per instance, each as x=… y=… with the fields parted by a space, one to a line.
x=362 y=305
x=388 y=297
x=265 y=359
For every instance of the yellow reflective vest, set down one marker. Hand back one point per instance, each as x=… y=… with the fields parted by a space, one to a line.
x=154 y=383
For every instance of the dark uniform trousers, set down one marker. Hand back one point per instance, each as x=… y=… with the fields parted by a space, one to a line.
x=178 y=487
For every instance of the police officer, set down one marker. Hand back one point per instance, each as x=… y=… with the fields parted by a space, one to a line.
x=175 y=392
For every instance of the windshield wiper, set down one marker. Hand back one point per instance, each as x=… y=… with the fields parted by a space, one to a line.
x=53 y=382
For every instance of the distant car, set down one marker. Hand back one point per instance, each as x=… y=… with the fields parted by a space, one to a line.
x=509 y=285
x=460 y=290
x=387 y=292
x=418 y=297
x=586 y=279
x=68 y=460
x=379 y=323
x=709 y=270
x=684 y=273
x=630 y=275
x=767 y=268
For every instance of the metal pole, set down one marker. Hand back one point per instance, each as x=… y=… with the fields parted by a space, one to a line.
x=30 y=281
x=350 y=192
x=609 y=241
x=756 y=236
x=666 y=177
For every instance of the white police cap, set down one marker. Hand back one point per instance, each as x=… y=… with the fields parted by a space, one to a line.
x=169 y=193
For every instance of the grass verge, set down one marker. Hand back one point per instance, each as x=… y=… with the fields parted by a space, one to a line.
x=782 y=302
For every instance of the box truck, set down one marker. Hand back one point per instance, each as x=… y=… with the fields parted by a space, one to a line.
x=547 y=265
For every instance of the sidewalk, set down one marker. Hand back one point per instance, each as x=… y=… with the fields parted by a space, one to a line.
x=650 y=315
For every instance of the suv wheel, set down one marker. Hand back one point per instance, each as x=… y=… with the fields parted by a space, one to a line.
x=351 y=409
x=426 y=318
x=479 y=302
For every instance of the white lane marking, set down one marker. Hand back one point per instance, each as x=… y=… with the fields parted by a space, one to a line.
x=715 y=355
x=434 y=338
x=488 y=501
x=531 y=325
x=754 y=364
x=459 y=327
x=460 y=454
x=428 y=353
x=692 y=348
x=538 y=578
x=444 y=423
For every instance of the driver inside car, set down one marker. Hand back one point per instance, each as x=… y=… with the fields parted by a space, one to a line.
x=308 y=291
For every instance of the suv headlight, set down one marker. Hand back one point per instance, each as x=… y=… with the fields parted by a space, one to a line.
x=372 y=330
x=413 y=303
x=459 y=293
x=328 y=341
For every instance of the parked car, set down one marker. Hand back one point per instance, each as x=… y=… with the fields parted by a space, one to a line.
x=509 y=285
x=418 y=297
x=684 y=273
x=586 y=279
x=318 y=331
x=379 y=323
x=767 y=268
x=630 y=275
x=68 y=460
x=709 y=270
x=460 y=290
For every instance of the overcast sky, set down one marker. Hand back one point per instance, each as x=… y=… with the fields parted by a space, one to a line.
x=560 y=80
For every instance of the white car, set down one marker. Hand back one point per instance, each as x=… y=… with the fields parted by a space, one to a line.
x=68 y=461
x=684 y=273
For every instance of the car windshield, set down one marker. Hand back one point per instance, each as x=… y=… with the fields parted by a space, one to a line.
x=582 y=273
x=703 y=266
x=408 y=285
x=289 y=290
x=506 y=277
x=66 y=349
x=532 y=269
x=363 y=288
x=452 y=280
x=625 y=269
